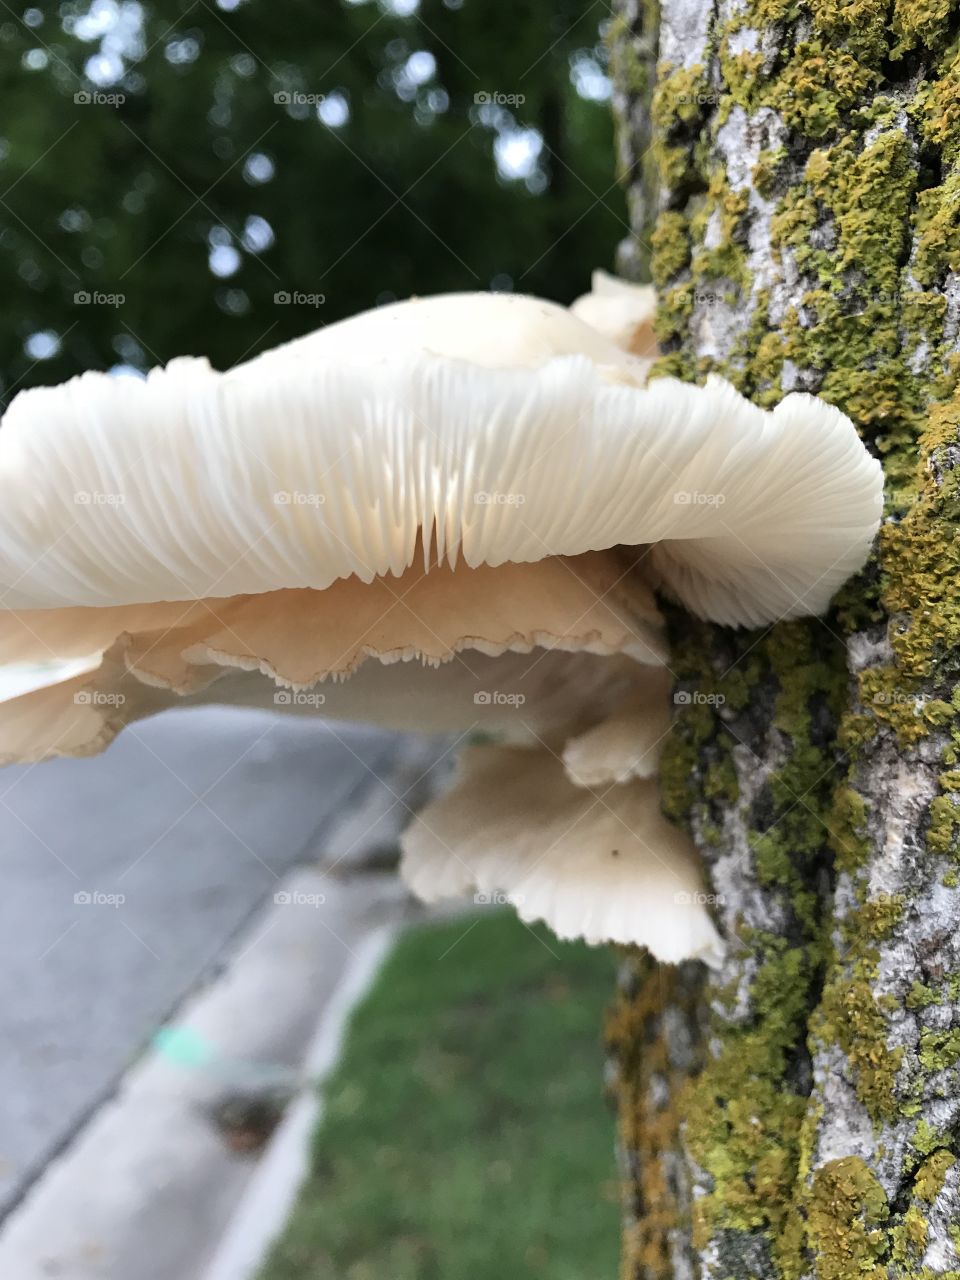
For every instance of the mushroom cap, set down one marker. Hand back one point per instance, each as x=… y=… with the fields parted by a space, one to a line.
x=494 y=330
x=621 y=311
x=487 y=428
x=625 y=744
x=601 y=865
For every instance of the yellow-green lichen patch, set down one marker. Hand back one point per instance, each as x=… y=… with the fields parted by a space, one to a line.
x=910 y=1236
x=864 y=225
x=863 y=193
x=876 y=918
x=847 y=826
x=759 y=356
x=690 y=268
x=923 y=23
x=920 y=996
x=649 y=1111
x=849 y=1015
x=743 y=76
x=742 y=1125
x=724 y=210
x=819 y=78
x=943 y=829
x=908 y=1239
x=929 y=1179
x=925 y=1138
x=818 y=84
x=767 y=171
x=682 y=97
x=847 y=1215
x=938 y=110
x=743 y=1122
x=938 y=224
x=861 y=25
x=939 y=1050
x=921 y=561
x=671 y=247
x=898 y=699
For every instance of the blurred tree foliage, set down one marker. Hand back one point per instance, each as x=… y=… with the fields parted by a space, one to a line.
x=190 y=177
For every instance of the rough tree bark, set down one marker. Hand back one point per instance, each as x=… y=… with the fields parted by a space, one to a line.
x=794 y=175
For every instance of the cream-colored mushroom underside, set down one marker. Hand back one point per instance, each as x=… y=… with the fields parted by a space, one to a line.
x=602 y=865
x=482 y=628
x=541 y=649
x=563 y=656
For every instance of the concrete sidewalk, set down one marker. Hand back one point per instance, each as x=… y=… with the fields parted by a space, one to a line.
x=145 y=1189
x=150 y=1184
x=123 y=879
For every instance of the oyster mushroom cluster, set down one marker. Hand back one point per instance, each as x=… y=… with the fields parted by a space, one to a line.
x=444 y=514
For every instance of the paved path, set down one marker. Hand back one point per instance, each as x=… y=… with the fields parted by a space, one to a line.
x=152 y=1187
x=123 y=879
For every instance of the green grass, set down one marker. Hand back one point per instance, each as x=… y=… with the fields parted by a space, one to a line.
x=466 y=1136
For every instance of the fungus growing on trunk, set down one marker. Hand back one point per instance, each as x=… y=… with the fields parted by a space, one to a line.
x=623 y=312
x=442 y=514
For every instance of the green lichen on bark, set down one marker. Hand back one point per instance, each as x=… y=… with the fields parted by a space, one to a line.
x=847 y=1215
x=808 y=162
x=745 y=1110
x=652 y=1066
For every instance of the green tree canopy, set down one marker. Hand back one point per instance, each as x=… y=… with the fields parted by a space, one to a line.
x=170 y=175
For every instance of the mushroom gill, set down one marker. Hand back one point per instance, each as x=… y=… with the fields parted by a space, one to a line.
x=449 y=513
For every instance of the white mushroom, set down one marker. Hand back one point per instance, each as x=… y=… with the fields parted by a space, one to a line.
x=598 y=645
x=481 y=484
x=501 y=426
x=621 y=311
x=604 y=865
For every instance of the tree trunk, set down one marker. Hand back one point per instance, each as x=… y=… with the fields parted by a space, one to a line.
x=795 y=187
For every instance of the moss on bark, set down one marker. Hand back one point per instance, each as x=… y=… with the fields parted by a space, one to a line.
x=808 y=238
x=656 y=1043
